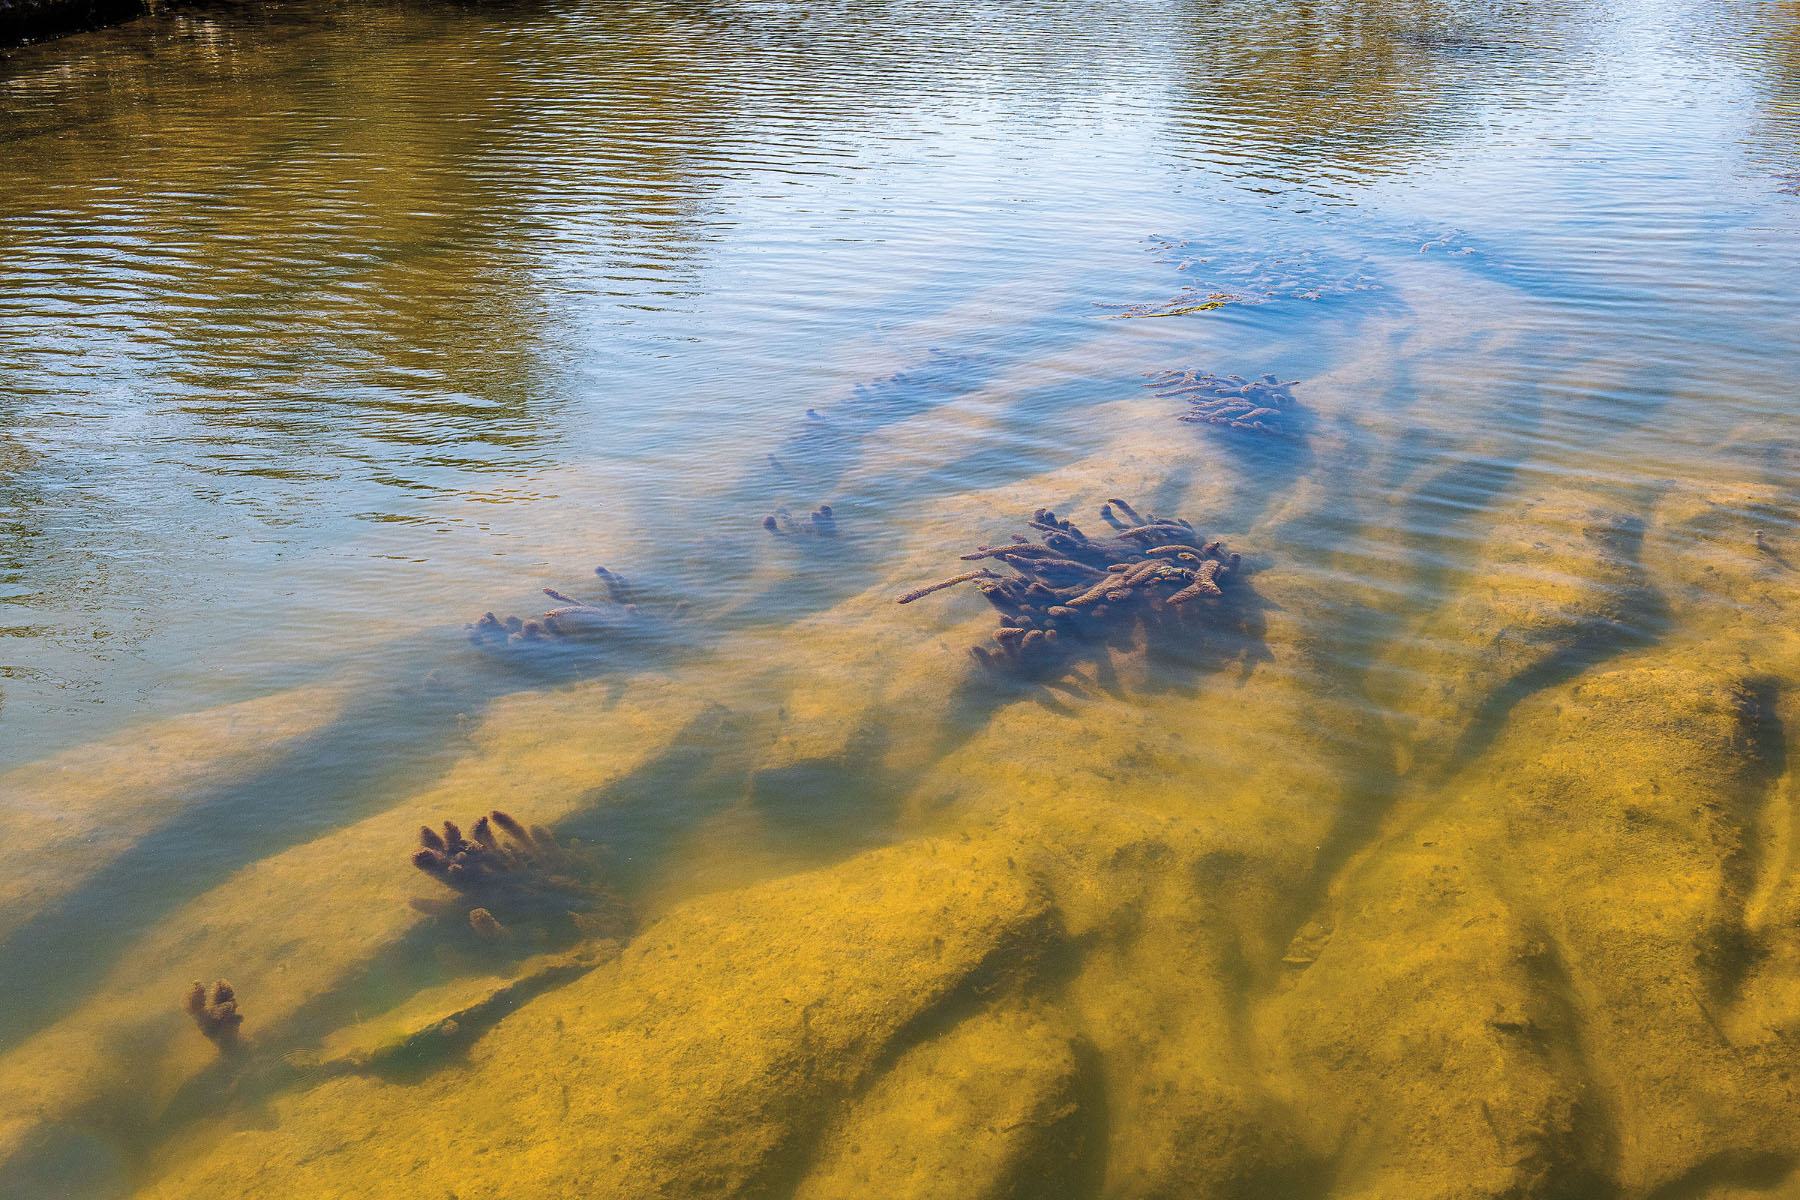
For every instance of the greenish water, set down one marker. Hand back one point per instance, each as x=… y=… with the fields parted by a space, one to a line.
x=326 y=329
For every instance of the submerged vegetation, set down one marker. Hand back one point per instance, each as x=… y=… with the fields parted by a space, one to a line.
x=216 y=1013
x=519 y=878
x=617 y=617
x=1265 y=404
x=819 y=523
x=1068 y=589
x=1444 y=846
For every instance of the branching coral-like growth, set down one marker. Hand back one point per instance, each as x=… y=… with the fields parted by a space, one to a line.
x=524 y=875
x=941 y=584
x=573 y=621
x=1266 y=405
x=1070 y=587
x=216 y=1015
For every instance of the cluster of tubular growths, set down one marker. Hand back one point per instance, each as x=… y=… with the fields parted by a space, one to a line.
x=1264 y=404
x=1071 y=586
x=216 y=1014
x=573 y=620
x=1300 y=275
x=820 y=524
x=523 y=874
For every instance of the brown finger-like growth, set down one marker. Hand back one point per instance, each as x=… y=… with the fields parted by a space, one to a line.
x=1160 y=532
x=512 y=828
x=520 y=877
x=1039 y=565
x=1142 y=572
x=1204 y=583
x=1068 y=591
x=577 y=621
x=482 y=922
x=819 y=523
x=615 y=585
x=1266 y=405
x=941 y=584
x=1094 y=594
x=215 y=1015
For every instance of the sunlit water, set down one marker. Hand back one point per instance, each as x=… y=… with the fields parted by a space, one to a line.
x=324 y=330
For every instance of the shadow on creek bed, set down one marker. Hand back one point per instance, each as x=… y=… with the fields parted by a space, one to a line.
x=344 y=771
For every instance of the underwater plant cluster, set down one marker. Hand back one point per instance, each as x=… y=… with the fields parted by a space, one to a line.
x=1069 y=587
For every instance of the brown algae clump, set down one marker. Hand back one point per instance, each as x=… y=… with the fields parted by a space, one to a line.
x=524 y=876
x=1069 y=587
x=216 y=1015
x=820 y=523
x=482 y=922
x=617 y=616
x=1266 y=405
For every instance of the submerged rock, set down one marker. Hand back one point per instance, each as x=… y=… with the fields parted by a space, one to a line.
x=80 y=810
x=298 y=929
x=704 y=1062
x=1533 y=991
x=992 y=1109
x=1557 y=586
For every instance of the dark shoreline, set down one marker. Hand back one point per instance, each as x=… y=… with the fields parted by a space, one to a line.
x=23 y=21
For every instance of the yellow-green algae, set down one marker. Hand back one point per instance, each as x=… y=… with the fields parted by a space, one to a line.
x=693 y=1065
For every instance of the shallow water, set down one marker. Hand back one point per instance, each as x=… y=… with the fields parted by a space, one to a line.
x=324 y=330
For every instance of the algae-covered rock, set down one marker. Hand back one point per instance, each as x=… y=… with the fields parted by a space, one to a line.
x=1171 y=915
x=438 y=1021
x=1634 y=798
x=1727 y=564
x=1530 y=993
x=1182 y=834
x=1557 y=584
x=990 y=1110
x=294 y=929
x=702 y=1063
x=1437 y=1054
